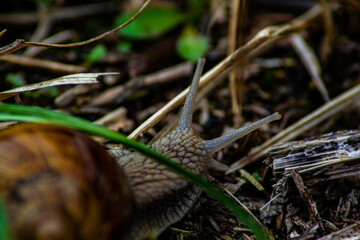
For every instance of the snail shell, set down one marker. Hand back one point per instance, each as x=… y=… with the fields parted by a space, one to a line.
x=58 y=183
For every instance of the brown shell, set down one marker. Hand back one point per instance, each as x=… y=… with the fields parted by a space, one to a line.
x=60 y=184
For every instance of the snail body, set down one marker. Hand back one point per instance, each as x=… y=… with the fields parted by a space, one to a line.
x=161 y=196
x=101 y=197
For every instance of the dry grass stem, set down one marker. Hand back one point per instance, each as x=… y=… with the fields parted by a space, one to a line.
x=81 y=78
x=328 y=40
x=42 y=64
x=233 y=24
x=56 y=38
x=310 y=62
x=44 y=25
x=67 y=13
x=68 y=97
x=245 y=174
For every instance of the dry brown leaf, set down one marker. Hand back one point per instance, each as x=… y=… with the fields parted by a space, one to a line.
x=79 y=78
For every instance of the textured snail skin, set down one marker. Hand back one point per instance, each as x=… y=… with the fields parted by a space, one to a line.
x=161 y=196
x=59 y=184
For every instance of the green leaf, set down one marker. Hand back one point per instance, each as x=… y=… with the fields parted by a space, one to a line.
x=96 y=54
x=14 y=79
x=35 y=114
x=124 y=47
x=4 y=224
x=191 y=45
x=50 y=92
x=152 y=22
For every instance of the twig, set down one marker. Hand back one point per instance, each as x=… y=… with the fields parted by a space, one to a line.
x=42 y=29
x=44 y=25
x=67 y=97
x=308 y=199
x=236 y=107
x=56 y=38
x=43 y=64
x=62 y=14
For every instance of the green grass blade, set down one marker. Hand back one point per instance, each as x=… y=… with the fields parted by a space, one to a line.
x=4 y=225
x=35 y=114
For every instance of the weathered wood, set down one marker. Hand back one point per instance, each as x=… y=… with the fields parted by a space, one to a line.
x=330 y=156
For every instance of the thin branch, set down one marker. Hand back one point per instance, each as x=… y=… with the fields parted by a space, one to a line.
x=42 y=64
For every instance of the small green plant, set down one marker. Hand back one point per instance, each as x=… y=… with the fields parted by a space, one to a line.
x=96 y=54
x=124 y=47
x=153 y=22
x=16 y=80
x=191 y=45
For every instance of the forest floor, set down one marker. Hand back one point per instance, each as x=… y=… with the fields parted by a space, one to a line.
x=295 y=73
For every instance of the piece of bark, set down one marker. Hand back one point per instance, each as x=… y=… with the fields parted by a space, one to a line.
x=330 y=156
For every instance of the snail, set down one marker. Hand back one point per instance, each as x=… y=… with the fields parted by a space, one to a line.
x=57 y=183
